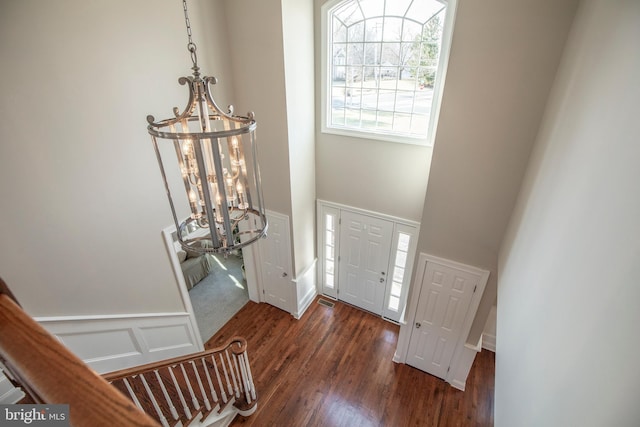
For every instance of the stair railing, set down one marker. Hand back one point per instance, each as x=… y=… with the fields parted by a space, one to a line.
x=191 y=389
x=185 y=389
x=49 y=373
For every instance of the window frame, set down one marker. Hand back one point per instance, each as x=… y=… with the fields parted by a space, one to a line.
x=325 y=95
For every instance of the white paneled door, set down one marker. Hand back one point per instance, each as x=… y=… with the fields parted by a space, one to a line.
x=275 y=255
x=444 y=300
x=365 y=243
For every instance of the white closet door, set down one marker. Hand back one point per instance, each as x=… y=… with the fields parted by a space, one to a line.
x=444 y=300
x=275 y=255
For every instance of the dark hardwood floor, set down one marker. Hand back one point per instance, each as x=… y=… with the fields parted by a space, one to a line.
x=334 y=367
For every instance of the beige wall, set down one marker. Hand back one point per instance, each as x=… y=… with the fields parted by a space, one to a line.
x=257 y=61
x=275 y=79
x=297 y=20
x=379 y=176
x=503 y=59
x=82 y=198
x=568 y=292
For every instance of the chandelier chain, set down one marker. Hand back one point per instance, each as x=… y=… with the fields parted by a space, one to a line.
x=191 y=46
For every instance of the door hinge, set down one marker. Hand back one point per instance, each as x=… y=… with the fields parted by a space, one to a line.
x=263 y=292
x=475 y=287
x=339 y=221
x=338 y=258
x=448 y=369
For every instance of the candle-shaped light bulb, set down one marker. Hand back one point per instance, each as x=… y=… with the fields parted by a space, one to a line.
x=218 y=207
x=186 y=147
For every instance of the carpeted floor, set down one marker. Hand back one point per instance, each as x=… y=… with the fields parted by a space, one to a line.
x=219 y=296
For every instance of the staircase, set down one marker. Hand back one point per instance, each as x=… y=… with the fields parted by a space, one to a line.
x=208 y=388
x=203 y=389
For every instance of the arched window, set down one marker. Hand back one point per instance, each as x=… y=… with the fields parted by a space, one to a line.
x=381 y=66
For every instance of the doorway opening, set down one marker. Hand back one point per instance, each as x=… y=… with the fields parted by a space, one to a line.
x=220 y=294
x=212 y=288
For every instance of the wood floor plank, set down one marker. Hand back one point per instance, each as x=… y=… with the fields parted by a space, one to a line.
x=334 y=367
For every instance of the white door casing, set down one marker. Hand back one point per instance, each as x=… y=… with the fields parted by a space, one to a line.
x=365 y=243
x=275 y=256
x=443 y=306
x=332 y=225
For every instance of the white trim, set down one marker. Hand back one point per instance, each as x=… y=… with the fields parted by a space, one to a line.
x=460 y=372
x=489 y=342
x=109 y=343
x=168 y=236
x=307 y=281
x=379 y=215
x=459 y=357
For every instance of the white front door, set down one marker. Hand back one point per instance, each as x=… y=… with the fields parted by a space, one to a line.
x=365 y=243
x=442 y=306
x=275 y=255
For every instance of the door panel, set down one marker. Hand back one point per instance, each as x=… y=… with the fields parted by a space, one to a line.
x=365 y=243
x=442 y=306
x=275 y=254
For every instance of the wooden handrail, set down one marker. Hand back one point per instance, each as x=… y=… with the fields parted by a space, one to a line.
x=236 y=344
x=180 y=390
x=50 y=373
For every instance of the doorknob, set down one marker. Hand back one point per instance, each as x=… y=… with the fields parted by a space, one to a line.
x=382 y=280
x=284 y=274
x=418 y=324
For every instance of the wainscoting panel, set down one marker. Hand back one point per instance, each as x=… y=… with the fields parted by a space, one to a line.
x=110 y=343
x=306 y=291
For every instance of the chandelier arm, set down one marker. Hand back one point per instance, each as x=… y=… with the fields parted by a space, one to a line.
x=214 y=106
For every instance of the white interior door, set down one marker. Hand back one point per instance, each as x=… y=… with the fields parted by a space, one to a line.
x=365 y=243
x=275 y=255
x=444 y=300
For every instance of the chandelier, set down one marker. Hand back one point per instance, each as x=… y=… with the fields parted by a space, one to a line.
x=209 y=165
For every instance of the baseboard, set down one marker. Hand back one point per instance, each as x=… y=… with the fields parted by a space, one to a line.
x=110 y=343
x=306 y=290
x=489 y=342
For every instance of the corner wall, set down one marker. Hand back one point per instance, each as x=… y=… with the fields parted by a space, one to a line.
x=568 y=316
x=501 y=68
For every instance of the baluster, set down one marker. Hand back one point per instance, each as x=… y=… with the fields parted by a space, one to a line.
x=214 y=395
x=161 y=416
x=250 y=375
x=233 y=375
x=222 y=392
x=194 y=401
x=179 y=390
x=243 y=376
x=204 y=395
x=172 y=408
x=132 y=394
x=226 y=376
